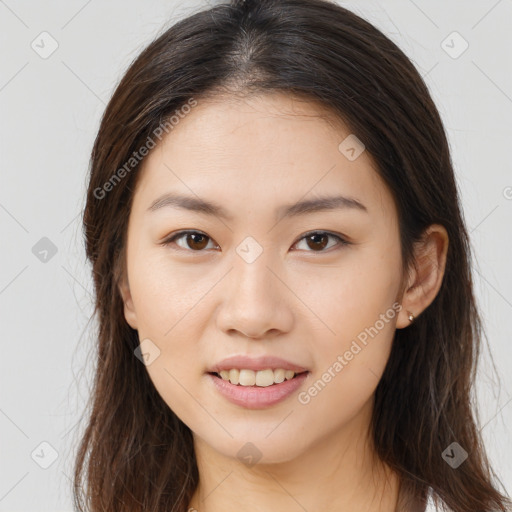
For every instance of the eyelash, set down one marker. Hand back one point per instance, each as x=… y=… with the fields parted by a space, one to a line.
x=167 y=242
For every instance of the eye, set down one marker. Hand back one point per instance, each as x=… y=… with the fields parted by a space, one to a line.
x=318 y=240
x=197 y=241
x=194 y=239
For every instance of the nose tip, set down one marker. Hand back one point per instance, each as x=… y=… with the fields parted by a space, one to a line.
x=256 y=336
x=253 y=301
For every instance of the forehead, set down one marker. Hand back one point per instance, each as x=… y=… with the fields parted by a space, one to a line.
x=272 y=148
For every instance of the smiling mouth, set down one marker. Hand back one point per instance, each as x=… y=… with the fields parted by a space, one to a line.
x=215 y=374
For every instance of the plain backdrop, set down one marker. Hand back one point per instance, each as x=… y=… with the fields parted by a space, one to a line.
x=50 y=107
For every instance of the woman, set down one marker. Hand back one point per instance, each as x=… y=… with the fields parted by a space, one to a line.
x=282 y=276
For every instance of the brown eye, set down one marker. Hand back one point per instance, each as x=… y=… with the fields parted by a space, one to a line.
x=196 y=241
x=316 y=241
x=193 y=240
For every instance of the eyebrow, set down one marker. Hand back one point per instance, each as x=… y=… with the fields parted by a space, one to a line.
x=196 y=204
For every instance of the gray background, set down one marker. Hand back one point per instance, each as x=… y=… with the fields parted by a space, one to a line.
x=50 y=110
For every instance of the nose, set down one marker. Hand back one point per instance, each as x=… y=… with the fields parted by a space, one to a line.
x=257 y=302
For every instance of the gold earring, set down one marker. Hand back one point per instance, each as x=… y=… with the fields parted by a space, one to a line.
x=411 y=316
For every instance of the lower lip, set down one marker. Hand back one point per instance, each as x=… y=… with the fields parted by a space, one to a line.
x=256 y=397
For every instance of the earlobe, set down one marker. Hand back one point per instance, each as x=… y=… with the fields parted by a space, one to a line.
x=129 y=310
x=427 y=276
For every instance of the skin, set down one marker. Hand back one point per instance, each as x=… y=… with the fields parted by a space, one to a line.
x=296 y=301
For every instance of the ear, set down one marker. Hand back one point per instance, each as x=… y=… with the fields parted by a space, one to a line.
x=129 y=310
x=426 y=275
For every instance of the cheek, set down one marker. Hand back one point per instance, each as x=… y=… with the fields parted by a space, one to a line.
x=163 y=291
x=359 y=308
x=351 y=297
x=168 y=318
x=349 y=366
x=169 y=301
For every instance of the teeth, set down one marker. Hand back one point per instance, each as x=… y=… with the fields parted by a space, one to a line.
x=262 y=378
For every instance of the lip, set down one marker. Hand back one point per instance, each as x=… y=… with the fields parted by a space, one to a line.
x=256 y=397
x=243 y=362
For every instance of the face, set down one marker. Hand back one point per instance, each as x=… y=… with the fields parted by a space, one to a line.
x=316 y=287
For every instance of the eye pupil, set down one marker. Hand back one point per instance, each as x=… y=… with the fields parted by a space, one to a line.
x=314 y=238
x=191 y=236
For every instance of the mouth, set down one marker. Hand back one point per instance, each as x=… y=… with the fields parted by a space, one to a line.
x=295 y=376
x=245 y=392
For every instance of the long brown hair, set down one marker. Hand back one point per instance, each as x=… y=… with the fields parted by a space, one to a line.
x=135 y=453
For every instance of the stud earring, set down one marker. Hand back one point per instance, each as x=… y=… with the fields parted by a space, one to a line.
x=411 y=316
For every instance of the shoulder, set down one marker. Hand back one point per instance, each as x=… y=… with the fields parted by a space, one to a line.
x=430 y=507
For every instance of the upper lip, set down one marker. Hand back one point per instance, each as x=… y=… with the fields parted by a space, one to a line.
x=255 y=364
